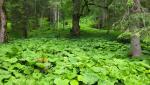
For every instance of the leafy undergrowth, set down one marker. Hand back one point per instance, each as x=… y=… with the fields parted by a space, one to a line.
x=65 y=61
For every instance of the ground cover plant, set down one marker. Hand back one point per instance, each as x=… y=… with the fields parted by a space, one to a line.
x=63 y=61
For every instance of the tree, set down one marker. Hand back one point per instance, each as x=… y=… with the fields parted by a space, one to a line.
x=17 y=16
x=54 y=14
x=26 y=15
x=104 y=8
x=2 y=22
x=75 y=31
x=135 y=38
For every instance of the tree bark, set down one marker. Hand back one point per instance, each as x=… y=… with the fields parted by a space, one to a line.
x=103 y=21
x=54 y=15
x=135 y=45
x=75 y=31
x=135 y=39
x=26 y=15
x=2 y=22
x=103 y=18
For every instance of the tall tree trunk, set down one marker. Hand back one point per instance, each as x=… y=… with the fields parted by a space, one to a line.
x=75 y=31
x=25 y=29
x=36 y=23
x=2 y=22
x=54 y=15
x=135 y=39
x=58 y=17
x=103 y=18
x=135 y=45
x=63 y=14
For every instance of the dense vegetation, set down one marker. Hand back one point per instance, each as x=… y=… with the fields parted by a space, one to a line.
x=74 y=42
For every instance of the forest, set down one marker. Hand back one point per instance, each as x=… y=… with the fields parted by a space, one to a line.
x=74 y=42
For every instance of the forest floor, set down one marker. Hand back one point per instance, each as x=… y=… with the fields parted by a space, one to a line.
x=52 y=57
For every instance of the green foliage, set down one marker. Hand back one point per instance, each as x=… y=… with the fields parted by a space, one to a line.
x=44 y=23
x=9 y=26
x=138 y=23
x=64 y=61
x=124 y=37
x=130 y=3
x=88 y=22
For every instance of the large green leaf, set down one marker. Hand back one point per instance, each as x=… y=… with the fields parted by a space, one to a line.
x=74 y=82
x=59 y=81
x=88 y=78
